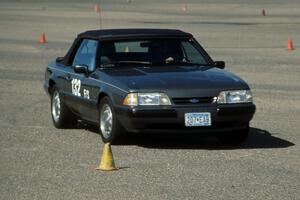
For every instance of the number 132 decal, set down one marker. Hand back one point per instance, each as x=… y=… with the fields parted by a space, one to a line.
x=76 y=84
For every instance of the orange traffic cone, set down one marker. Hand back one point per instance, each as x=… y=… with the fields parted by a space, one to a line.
x=96 y=8
x=263 y=12
x=290 y=45
x=42 y=38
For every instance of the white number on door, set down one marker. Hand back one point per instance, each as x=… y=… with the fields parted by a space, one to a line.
x=76 y=84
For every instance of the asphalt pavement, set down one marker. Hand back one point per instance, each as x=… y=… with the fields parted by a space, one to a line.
x=38 y=161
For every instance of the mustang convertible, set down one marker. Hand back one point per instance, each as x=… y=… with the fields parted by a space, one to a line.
x=147 y=80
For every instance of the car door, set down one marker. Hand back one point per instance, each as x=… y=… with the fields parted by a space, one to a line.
x=84 y=93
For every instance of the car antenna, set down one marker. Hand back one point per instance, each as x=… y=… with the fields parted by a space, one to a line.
x=100 y=16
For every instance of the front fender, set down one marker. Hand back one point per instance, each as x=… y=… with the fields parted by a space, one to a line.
x=115 y=95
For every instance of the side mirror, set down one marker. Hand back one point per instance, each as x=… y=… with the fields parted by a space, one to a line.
x=81 y=69
x=59 y=59
x=219 y=64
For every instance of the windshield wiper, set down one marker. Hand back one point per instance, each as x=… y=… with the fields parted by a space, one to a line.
x=132 y=62
x=114 y=64
x=118 y=63
x=192 y=63
x=183 y=63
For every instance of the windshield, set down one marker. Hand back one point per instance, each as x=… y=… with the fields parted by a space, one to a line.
x=153 y=51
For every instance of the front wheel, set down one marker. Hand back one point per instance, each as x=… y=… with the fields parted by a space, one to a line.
x=235 y=137
x=110 y=127
x=62 y=117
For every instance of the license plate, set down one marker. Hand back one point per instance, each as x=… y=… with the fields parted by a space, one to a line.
x=197 y=119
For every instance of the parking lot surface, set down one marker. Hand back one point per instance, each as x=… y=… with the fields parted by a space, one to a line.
x=38 y=161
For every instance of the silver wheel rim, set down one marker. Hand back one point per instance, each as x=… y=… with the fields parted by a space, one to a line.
x=106 y=121
x=56 y=106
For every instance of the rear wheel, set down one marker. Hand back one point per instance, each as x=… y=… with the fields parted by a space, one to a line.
x=235 y=137
x=62 y=117
x=110 y=128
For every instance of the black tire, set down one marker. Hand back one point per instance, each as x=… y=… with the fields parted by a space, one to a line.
x=115 y=133
x=65 y=118
x=235 y=137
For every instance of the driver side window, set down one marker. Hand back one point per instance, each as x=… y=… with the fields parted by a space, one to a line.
x=192 y=54
x=86 y=54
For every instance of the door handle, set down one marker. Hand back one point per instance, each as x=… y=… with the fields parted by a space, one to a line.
x=68 y=77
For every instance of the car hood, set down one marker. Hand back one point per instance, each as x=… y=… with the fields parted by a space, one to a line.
x=177 y=80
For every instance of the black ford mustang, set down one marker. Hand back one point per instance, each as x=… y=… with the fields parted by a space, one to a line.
x=147 y=80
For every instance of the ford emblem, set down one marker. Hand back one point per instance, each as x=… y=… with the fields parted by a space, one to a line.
x=194 y=100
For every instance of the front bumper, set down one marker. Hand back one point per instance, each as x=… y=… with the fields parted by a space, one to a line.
x=46 y=88
x=171 y=119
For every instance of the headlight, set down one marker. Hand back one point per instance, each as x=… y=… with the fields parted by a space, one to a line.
x=235 y=96
x=146 y=99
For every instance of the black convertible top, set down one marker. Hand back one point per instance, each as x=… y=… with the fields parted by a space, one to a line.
x=108 y=34
x=123 y=34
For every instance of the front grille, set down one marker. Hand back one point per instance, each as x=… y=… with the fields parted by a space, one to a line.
x=193 y=100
